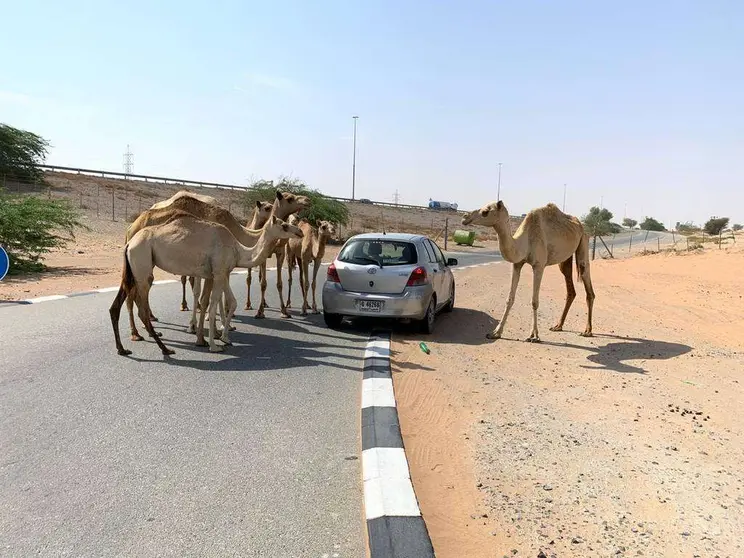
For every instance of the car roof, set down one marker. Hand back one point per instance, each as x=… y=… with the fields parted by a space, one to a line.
x=404 y=237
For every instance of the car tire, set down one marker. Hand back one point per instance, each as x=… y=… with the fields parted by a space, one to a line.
x=333 y=321
x=427 y=324
x=451 y=302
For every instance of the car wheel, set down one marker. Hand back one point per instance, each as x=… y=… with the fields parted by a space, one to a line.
x=451 y=303
x=427 y=324
x=333 y=321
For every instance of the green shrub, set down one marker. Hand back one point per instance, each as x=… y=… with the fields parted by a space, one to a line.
x=31 y=227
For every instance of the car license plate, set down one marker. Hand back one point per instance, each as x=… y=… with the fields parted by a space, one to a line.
x=369 y=305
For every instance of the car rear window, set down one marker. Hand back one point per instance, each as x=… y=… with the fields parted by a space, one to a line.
x=380 y=252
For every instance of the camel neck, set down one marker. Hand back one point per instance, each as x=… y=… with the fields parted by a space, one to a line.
x=256 y=255
x=319 y=251
x=507 y=244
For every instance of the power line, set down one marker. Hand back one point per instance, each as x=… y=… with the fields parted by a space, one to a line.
x=128 y=162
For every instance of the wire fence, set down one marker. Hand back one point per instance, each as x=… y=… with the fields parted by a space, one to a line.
x=633 y=243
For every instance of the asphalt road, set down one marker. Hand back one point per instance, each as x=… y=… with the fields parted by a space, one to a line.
x=250 y=452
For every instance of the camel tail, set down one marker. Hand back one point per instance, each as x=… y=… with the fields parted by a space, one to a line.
x=582 y=256
x=127 y=277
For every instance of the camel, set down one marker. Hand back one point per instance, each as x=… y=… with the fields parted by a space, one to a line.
x=186 y=245
x=311 y=248
x=284 y=204
x=546 y=236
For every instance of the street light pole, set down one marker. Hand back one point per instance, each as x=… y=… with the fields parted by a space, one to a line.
x=498 y=190
x=353 y=164
x=564 y=198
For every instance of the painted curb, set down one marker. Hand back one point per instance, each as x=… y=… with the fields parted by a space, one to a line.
x=395 y=526
x=49 y=298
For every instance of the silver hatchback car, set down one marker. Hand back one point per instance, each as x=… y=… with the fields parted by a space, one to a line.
x=389 y=276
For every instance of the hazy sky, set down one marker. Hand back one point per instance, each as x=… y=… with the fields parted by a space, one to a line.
x=630 y=102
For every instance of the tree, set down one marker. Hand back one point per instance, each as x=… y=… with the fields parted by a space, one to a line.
x=715 y=225
x=322 y=207
x=598 y=221
x=651 y=224
x=737 y=227
x=629 y=223
x=31 y=227
x=687 y=228
x=21 y=153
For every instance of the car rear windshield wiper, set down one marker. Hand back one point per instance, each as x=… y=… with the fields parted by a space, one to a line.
x=368 y=260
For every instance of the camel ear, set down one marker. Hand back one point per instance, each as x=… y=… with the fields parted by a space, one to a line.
x=258 y=204
x=273 y=219
x=285 y=227
x=278 y=194
x=500 y=205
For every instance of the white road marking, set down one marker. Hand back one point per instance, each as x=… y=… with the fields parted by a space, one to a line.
x=165 y=281
x=387 y=484
x=46 y=298
x=107 y=290
x=379 y=348
x=377 y=392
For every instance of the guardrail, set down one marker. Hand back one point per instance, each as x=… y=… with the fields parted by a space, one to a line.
x=199 y=183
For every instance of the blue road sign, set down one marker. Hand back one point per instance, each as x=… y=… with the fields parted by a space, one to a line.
x=4 y=263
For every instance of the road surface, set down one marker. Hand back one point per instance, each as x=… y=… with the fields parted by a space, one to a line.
x=251 y=452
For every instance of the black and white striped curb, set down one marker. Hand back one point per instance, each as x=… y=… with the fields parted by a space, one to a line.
x=48 y=298
x=395 y=526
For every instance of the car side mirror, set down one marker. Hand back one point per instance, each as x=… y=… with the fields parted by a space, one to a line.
x=451 y=262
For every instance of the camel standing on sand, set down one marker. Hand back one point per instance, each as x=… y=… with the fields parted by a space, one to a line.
x=311 y=248
x=185 y=245
x=199 y=206
x=546 y=236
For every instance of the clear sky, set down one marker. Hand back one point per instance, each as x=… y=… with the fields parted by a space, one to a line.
x=626 y=102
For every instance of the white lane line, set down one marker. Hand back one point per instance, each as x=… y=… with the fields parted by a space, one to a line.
x=165 y=281
x=107 y=290
x=45 y=298
x=387 y=484
x=377 y=392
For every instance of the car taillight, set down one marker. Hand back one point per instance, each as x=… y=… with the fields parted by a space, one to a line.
x=418 y=277
x=333 y=274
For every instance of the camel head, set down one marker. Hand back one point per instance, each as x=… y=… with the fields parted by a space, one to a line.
x=326 y=229
x=287 y=203
x=489 y=215
x=264 y=210
x=278 y=229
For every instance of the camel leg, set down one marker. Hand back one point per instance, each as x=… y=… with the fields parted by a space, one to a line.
x=262 y=278
x=587 y=280
x=232 y=304
x=115 y=312
x=134 y=334
x=565 y=268
x=290 y=272
x=196 y=289
x=214 y=301
x=316 y=266
x=305 y=285
x=143 y=309
x=184 y=304
x=225 y=303
x=248 y=305
x=516 y=272
x=537 y=273
x=203 y=304
x=280 y=284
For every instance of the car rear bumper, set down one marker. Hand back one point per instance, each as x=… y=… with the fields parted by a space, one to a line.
x=411 y=303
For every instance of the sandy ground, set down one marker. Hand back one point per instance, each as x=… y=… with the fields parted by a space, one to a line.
x=626 y=444
x=92 y=261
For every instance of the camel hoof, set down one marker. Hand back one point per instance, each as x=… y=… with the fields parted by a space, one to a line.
x=191 y=329
x=137 y=337
x=232 y=328
x=226 y=342
x=533 y=340
x=286 y=316
x=201 y=343
x=167 y=352
x=216 y=349
x=124 y=352
x=288 y=305
x=556 y=328
x=184 y=308
x=493 y=335
x=248 y=306
x=153 y=319
x=586 y=334
x=158 y=334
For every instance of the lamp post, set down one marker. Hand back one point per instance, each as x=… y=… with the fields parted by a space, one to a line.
x=498 y=189
x=353 y=162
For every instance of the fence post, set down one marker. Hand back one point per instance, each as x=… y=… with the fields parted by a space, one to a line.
x=630 y=244
x=98 y=200
x=446 y=232
x=720 y=236
x=594 y=247
x=658 y=244
x=646 y=238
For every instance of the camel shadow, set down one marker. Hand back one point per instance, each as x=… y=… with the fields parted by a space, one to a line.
x=462 y=326
x=613 y=356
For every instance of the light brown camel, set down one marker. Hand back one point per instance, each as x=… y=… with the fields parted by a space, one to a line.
x=280 y=253
x=285 y=203
x=185 y=245
x=546 y=236
x=311 y=248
